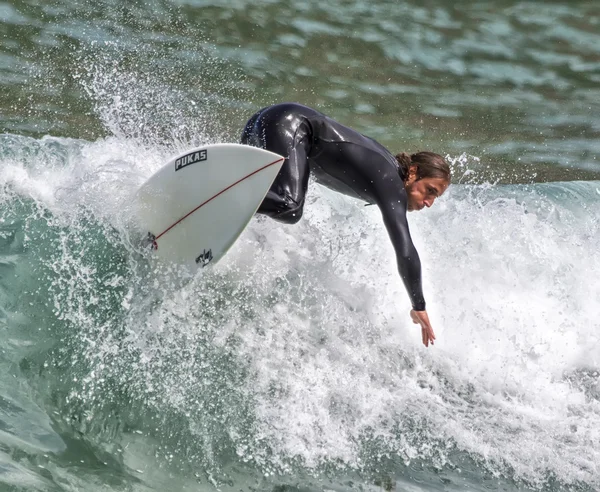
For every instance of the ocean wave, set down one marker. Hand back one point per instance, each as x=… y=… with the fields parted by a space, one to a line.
x=294 y=358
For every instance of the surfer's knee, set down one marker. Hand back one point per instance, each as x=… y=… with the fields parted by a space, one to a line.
x=282 y=209
x=294 y=206
x=291 y=216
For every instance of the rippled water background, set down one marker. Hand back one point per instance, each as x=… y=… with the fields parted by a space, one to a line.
x=293 y=365
x=515 y=83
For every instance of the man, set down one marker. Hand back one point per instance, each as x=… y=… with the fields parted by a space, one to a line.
x=348 y=162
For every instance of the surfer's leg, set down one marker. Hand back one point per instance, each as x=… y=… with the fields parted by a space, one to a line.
x=289 y=137
x=285 y=200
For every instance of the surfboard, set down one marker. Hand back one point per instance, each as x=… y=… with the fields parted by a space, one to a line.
x=196 y=206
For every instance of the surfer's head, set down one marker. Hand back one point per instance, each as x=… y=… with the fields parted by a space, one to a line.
x=426 y=176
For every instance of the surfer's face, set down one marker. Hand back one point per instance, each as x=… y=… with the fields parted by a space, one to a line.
x=423 y=192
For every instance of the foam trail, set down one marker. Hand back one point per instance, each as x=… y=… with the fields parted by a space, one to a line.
x=517 y=350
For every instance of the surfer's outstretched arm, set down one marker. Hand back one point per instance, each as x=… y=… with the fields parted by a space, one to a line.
x=393 y=211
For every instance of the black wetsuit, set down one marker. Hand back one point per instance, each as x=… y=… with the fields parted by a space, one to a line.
x=341 y=159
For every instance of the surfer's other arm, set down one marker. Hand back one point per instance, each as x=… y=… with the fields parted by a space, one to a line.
x=409 y=264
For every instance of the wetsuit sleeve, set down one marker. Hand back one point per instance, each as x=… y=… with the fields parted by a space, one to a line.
x=393 y=211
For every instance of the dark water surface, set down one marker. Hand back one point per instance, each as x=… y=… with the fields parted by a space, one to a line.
x=514 y=83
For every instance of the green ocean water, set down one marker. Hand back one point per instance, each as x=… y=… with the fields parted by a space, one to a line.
x=293 y=365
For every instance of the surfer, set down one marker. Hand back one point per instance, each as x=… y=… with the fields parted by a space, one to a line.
x=348 y=162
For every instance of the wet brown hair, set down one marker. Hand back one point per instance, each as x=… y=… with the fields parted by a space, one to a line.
x=429 y=165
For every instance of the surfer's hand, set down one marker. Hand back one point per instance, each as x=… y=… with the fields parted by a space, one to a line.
x=421 y=318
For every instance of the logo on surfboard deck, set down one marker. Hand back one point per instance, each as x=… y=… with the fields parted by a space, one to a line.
x=204 y=258
x=191 y=158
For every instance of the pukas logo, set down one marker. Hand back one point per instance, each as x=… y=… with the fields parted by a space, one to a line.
x=192 y=158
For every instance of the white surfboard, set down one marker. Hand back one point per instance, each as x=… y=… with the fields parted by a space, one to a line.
x=198 y=204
